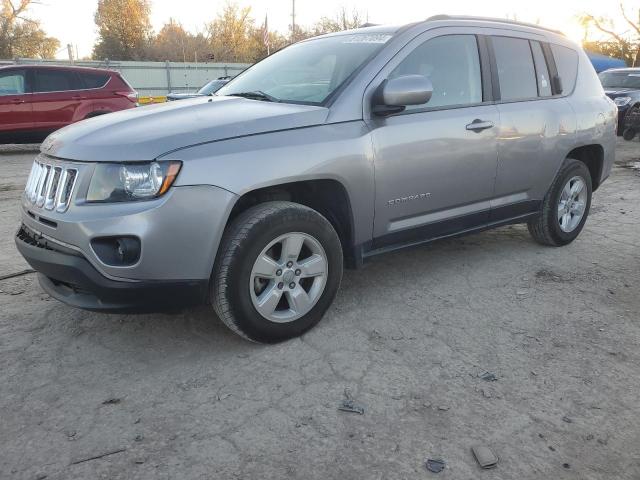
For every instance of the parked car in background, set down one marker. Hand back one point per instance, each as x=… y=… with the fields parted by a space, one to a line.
x=209 y=89
x=36 y=100
x=324 y=154
x=622 y=85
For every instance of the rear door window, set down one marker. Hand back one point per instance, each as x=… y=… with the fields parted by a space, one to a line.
x=452 y=64
x=12 y=83
x=567 y=65
x=93 y=80
x=516 y=72
x=55 y=81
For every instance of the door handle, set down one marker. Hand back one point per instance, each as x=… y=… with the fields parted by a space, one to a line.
x=17 y=101
x=478 y=125
x=77 y=97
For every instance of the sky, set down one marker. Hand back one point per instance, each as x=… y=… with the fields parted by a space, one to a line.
x=71 y=21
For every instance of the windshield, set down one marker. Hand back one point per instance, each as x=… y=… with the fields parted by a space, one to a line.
x=211 y=87
x=620 y=79
x=307 y=72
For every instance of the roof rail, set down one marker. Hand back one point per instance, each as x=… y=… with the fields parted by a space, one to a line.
x=493 y=19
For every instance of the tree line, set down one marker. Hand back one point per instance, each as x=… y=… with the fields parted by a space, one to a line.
x=232 y=36
x=125 y=33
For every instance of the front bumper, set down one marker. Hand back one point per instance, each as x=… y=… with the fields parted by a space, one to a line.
x=67 y=275
x=178 y=233
x=178 y=236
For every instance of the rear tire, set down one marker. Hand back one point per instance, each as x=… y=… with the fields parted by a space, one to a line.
x=629 y=134
x=558 y=223
x=263 y=291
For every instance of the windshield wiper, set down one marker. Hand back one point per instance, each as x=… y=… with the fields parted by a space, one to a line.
x=255 y=95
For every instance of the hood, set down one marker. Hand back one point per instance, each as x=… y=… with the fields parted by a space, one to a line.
x=146 y=133
x=183 y=94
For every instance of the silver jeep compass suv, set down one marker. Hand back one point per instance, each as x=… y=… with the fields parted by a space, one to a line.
x=326 y=153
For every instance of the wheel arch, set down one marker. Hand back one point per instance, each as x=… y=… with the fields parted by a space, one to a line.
x=593 y=157
x=327 y=196
x=96 y=114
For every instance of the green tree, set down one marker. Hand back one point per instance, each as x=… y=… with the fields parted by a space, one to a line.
x=21 y=36
x=124 y=29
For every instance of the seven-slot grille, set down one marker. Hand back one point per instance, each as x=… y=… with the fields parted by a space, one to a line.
x=50 y=185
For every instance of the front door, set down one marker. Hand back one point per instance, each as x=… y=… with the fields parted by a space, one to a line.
x=435 y=164
x=15 y=103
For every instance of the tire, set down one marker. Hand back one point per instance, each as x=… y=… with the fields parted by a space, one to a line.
x=547 y=229
x=236 y=286
x=629 y=134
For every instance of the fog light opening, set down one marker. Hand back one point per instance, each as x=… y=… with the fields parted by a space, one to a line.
x=117 y=251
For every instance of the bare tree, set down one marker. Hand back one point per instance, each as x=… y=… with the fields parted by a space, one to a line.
x=623 y=44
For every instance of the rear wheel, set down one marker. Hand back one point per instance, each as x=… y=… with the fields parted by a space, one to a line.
x=565 y=207
x=278 y=270
x=629 y=134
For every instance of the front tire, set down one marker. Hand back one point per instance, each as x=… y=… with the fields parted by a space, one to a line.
x=278 y=270
x=566 y=206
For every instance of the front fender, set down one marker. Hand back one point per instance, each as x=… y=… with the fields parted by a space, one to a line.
x=341 y=152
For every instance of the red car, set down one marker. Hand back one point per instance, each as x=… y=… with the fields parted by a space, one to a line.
x=35 y=100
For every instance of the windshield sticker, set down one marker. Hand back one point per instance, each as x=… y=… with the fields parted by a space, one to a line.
x=366 y=38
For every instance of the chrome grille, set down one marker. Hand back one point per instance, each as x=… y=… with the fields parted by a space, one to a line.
x=50 y=185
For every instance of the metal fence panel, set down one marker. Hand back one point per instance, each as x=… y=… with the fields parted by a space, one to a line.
x=154 y=78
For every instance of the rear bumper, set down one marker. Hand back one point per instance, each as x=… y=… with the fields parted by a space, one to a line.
x=69 y=277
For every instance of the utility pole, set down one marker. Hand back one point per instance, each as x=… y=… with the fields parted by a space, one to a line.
x=293 y=20
x=70 y=52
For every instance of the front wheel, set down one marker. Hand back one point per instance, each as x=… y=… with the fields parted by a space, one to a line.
x=278 y=270
x=565 y=207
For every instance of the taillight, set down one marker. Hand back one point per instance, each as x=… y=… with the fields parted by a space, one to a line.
x=132 y=96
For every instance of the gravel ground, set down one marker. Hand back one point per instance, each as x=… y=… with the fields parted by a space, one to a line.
x=409 y=337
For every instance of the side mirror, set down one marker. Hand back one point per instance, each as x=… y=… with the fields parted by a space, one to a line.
x=397 y=93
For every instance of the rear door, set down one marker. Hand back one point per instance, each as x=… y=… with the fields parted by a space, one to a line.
x=95 y=90
x=57 y=95
x=536 y=123
x=15 y=101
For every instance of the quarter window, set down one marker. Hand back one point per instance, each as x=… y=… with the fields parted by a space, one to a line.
x=12 y=83
x=94 y=80
x=452 y=64
x=542 y=72
x=567 y=65
x=516 y=73
x=54 y=81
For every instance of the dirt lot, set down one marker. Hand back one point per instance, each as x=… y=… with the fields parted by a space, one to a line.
x=180 y=397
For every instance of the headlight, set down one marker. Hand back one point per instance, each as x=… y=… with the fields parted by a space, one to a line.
x=123 y=182
x=622 y=101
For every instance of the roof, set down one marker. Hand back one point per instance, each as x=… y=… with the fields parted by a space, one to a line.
x=628 y=69
x=505 y=21
x=394 y=29
x=30 y=66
